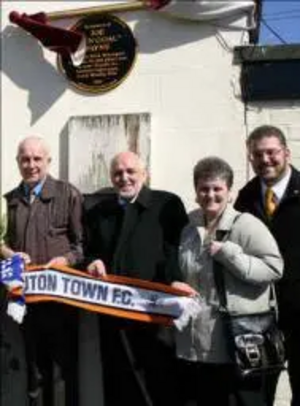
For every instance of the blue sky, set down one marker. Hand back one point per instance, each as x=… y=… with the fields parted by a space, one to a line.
x=281 y=22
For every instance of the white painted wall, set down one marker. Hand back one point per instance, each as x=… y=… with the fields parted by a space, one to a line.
x=183 y=77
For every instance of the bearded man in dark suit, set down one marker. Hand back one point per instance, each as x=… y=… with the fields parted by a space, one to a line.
x=134 y=231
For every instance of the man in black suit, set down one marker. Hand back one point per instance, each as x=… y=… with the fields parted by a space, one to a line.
x=274 y=197
x=135 y=231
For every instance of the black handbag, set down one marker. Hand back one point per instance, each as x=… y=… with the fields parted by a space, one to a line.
x=255 y=342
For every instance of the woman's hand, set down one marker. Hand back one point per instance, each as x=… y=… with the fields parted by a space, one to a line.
x=214 y=247
x=185 y=288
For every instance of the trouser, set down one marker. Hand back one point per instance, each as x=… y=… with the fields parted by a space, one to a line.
x=138 y=368
x=51 y=339
x=292 y=337
x=271 y=382
x=205 y=384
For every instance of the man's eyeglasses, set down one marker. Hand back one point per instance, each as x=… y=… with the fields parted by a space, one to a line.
x=270 y=153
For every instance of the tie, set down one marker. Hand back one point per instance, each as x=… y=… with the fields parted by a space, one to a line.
x=270 y=202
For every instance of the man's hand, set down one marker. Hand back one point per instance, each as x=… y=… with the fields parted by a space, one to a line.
x=59 y=261
x=7 y=253
x=26 y=257
x=97 y=268
x=184 y=287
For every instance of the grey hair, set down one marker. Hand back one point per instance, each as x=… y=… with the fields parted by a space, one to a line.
x=34 y=139
x=213 y=167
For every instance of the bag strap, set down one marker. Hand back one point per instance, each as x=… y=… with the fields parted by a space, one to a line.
x=273 y=301
x=218 y=271
x=220 y=285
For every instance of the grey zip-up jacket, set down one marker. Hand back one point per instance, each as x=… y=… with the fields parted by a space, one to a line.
x=251 y=262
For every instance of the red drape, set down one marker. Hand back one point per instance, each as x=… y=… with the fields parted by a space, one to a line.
x=157 y=4
x=56 y=39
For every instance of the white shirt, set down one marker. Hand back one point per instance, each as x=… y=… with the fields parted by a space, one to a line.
x=279 y=188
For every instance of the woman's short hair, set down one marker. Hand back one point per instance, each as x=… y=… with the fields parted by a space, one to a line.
x=213 y=167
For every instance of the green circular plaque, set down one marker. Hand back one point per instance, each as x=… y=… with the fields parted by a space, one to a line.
x=109 y=56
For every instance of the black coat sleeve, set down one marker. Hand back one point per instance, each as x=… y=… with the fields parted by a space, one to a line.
x=239 y=204
x=174 y=218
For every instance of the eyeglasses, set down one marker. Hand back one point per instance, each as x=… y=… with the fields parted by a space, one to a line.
x=270 y=153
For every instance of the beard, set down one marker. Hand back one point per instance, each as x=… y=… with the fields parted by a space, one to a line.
x=271 y=173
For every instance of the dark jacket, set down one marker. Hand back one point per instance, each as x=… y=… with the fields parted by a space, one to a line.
x=140 y=240
x=285 y=226
x=51 y=226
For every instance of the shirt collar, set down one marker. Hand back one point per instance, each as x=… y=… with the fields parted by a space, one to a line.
x=123 y=202
x=36 y=191
x=279 y=187
x=143 y=198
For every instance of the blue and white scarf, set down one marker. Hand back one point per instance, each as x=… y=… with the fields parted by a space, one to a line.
x=12 y=277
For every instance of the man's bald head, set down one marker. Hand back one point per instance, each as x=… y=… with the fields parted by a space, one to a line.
x=37 y=142
x=128 y=174
x=33 y=159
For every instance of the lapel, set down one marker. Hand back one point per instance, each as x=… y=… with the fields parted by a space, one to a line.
x=18 y=195
x=293 y=187
x=292 y=191
x=109 y=221
x=257 y=200
x=48 y=190
x=131 y=219
x=47 y=194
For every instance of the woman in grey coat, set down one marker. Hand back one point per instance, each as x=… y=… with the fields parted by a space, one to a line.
x=250 y=262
